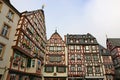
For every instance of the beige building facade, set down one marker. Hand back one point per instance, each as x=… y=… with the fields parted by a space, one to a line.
x=9 y=17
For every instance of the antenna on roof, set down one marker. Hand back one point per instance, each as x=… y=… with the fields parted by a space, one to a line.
x=56 y=29
x=106 y=36
x=43 y=6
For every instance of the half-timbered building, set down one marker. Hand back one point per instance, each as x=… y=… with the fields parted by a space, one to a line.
x=108 y=68
x=84 y=61
x=29 y=47
x=113 y=45
x=55 y=60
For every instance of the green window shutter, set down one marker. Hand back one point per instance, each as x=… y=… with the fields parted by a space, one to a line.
x=64 y=69
x=29 y=62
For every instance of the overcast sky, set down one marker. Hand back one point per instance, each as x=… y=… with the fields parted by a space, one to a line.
x=98 y=17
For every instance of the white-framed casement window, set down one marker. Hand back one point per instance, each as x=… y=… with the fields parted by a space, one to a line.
x=79 y=68
x=93 y=48
x=49 y=69
x=59 y=48
x=33 y=63
x=97 y=69
x=95 y=57
x=1 y=6
x=78 y=57
x=78 y=48
x=72 y=68
x=5 y=30
x=71 y=47
x=51 y=48
x=87 y=48
x=72 y=57
x=10 y=15
x=1 y=49
x=89 y=69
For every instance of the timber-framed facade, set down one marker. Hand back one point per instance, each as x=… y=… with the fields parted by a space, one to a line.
x=55 y=59
x=84 y=60
x=29 y=47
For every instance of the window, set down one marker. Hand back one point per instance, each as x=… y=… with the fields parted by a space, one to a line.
x=71 y=41
x=109 y=77
x=33 y=63
x=10 y=15
x=1 y=49
x=23 y=62
x=87 y=48
x=72 y=68
x=51 y=48
x=12 y=76
x=72 y=47
x=92 y=41
x=77 y=41
x=39 y=64
x=77 y=47
x=97 y=69
x=49 y=69
x=5 y=30
x=61 y=69
x=0 y=6
x=16 y=60
x=72 y=57
x=89 y=69
x=55 y=59
x=79 y=68
x=78 y=57
x=93 y=48
x=86 y=41
x=88 y=58
x=95 y=57
x=59 y=48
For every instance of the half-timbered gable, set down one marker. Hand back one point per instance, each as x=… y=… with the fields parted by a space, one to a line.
x=55 y=60
x=30 y=44
x=113 y=45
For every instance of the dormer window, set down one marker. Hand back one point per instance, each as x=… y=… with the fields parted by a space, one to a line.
x=86 y=41
x=71 y=41
x=92 y=41
x=77 y=41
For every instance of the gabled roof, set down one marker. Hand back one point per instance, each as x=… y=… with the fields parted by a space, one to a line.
x=104 y=51
x=7 y=2
x=55 y=35
x=114 y=41
x=33 y=11
x=81 y=39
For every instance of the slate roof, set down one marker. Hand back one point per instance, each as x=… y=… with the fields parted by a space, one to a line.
x=81 y=38
x=102 y=52
x=114 y=41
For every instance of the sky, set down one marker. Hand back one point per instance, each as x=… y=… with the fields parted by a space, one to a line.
x=101 y=18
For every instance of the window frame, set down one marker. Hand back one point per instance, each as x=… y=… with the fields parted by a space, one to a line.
x=61 y=71
x=88 y=71
x=97 y=69
x=2 y=50
x=10 y=15
x=8 y=31
x=72 y=68
x=50 y=70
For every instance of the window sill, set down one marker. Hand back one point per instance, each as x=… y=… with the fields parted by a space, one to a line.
x=9 y=19
x=4 y=37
